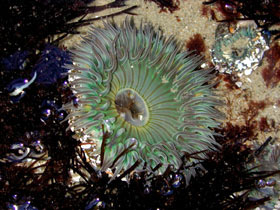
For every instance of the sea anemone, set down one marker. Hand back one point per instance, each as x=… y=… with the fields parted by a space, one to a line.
x=241 y=51
x=136 y=88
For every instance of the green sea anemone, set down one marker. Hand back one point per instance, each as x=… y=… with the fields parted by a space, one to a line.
x=138 y=87
x=241 y=51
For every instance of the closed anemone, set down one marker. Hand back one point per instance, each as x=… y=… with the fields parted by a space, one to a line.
x=139 y=88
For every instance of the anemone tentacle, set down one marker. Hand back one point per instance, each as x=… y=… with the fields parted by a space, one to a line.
x=153 y=102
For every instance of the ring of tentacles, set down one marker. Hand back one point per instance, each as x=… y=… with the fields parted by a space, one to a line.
x=146 y=94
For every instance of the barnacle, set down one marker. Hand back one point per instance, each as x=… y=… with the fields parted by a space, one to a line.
x=241 y=51
x=146 y=94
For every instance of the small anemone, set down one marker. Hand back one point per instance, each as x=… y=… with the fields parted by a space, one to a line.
x=145 y=93
x=240 y=51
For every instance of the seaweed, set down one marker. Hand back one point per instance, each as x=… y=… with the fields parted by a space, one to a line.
x=227 y=173
x=27 y=24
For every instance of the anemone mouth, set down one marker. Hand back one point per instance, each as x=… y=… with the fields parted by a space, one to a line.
x=132 y=107
x=146 y=93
